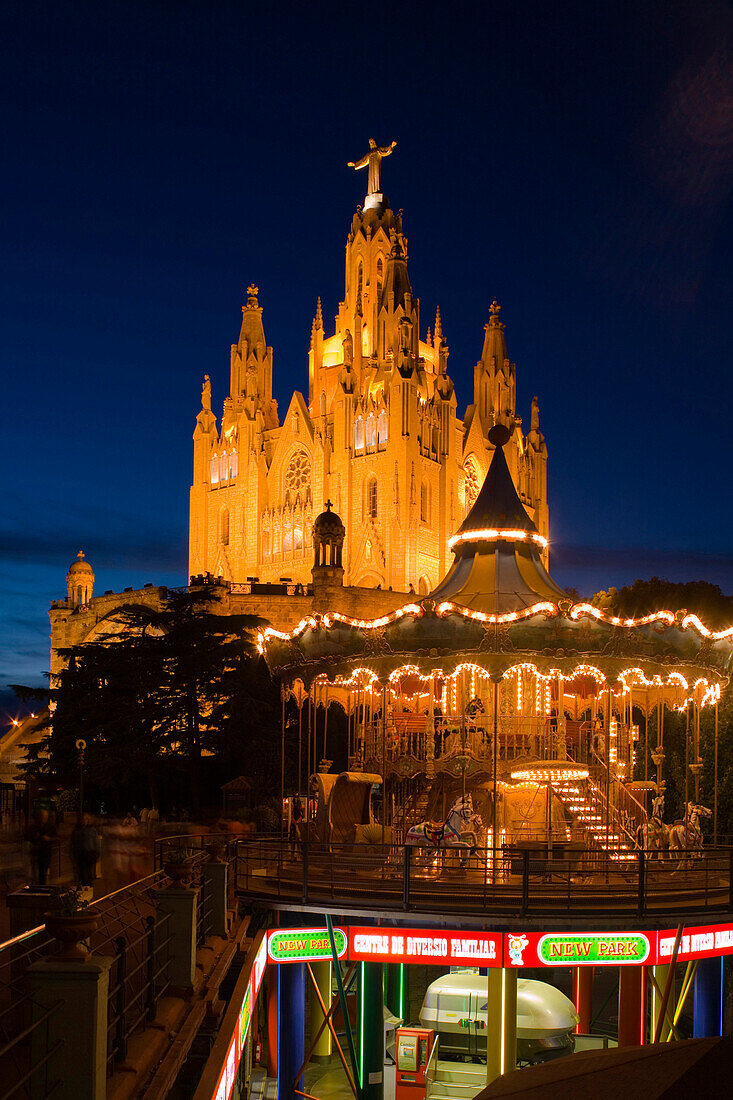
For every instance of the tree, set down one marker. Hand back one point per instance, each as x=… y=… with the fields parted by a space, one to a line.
x=166 y=693
x=715 y=609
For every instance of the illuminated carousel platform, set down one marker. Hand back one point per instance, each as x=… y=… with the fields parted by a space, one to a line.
x=527 y=884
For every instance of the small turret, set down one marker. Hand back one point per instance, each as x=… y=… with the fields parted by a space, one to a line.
x=328 y=545
x=80 y=581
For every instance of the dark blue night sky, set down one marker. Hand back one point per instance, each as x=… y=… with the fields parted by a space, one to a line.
x=574 y=160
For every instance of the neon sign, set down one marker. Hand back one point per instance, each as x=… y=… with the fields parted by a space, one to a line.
x=415 y=945
x=610 y=949
x=244 y=1019
x=579 y=948
x=702 y=942
x=292 y=945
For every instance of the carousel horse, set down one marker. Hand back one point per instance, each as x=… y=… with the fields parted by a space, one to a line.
x=686 y=836
x=654 y=836
x=455 y=832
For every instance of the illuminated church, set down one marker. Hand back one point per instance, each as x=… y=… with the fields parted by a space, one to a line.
x=377 y=443
x=377 y=434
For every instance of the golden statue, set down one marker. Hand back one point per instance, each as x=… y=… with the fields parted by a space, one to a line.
x=373 y=159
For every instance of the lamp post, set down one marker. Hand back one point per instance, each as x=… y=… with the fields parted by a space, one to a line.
x=80 y=746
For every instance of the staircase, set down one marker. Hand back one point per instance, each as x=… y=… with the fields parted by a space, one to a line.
x=456 y=1081
x=586 y=802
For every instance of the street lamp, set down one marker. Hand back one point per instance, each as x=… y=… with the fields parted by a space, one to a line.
x=80 y=746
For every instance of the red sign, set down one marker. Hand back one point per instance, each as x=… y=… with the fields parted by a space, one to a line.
x=705 y=941
x=425 y=945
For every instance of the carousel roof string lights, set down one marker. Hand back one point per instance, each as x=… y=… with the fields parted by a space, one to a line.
x=498 y=678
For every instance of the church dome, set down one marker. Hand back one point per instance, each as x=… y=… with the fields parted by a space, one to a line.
x=81 y=565
x=328 y=524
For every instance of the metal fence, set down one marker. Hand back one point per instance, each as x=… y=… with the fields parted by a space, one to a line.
x=135 y=935
x=507 y=881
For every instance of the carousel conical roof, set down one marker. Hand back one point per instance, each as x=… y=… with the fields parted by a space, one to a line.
x=497 y=565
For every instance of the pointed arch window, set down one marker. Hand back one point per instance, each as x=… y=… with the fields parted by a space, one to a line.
x=224 y=467
x=371 y=498
x=359 y=434
x=359 y=279
x=371 y=431
x=425 y=502
x=233 y=464
x=265 y=545
x=214 y=469
x=382 y=429
x=380 y=273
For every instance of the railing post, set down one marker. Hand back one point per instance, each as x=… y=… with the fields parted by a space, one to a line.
x=730 y=878
x=304 y=892
x=79 y=1027
x=121 y=999
x=641 y=902
x=525 y=880
x=180 y=904
x=152 y=958
x=407 y=850
x=214 y=877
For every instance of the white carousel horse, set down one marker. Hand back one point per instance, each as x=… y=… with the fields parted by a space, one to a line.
x=653 y=836
x=455 y=832
x=686 y=836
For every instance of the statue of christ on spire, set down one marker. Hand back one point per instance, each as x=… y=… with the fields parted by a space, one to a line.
x=373 y=160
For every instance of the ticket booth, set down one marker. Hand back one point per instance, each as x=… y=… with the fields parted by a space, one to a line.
x=414 y=1045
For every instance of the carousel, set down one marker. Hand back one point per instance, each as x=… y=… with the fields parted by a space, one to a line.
x=496 y=714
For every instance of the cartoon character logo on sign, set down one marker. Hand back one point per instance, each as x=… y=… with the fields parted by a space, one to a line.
x=516 y=946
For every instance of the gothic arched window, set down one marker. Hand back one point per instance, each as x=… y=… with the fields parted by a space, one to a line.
x=380 y=270
x=214 y=469
x=265 y=545
x=358 y=434
x=371 y=498
x=298 y=474
x=371 y=431
x=382 y=428
x=425 y=502
x=233 y=464
x=224 y=467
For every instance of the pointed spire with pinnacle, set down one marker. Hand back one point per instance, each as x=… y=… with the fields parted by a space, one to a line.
x=494 y=340
x=318 y=320
x=438 y=326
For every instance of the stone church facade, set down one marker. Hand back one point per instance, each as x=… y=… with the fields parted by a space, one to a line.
x=378 y=434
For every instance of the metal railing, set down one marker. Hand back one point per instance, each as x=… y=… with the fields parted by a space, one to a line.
x=511 y=880
x=138 y=939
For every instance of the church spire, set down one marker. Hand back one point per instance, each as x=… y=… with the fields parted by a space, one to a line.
x=494 y=376
x=494 y=340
